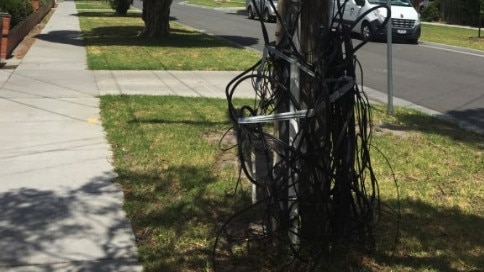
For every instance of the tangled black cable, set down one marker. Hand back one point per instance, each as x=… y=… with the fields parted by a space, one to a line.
x=317 y=196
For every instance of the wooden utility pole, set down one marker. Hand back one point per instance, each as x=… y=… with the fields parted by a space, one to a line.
x=321 y=174
x=304 y=24
x=314 y=28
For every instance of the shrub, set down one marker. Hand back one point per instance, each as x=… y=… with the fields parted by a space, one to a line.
x=462 y=12
x=431 y=13
x=18 y=9
x=120 y=6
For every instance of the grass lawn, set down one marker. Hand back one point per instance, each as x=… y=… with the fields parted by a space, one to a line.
x=179 y=185
x=452 y=36
x=112 y=44
x=218 y=3
x=93 y=4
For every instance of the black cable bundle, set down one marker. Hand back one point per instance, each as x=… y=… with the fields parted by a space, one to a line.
x=319 y=197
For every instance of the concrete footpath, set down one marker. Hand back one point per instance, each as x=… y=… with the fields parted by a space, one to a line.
x=60 y=210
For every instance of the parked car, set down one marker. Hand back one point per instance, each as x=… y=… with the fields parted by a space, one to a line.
x=267 y=8
x=405 y=19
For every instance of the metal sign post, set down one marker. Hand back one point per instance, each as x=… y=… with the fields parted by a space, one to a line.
x=389 y=60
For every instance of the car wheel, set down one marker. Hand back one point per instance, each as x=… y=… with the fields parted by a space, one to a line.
x=250 y=13
x=266 y=15
x=366 y=32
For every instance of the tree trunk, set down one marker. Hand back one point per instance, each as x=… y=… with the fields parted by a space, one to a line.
x=156 y=15
x=120 y=7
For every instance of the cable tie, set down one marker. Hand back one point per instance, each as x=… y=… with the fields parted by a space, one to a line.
x=278 y=53
x=299 y=113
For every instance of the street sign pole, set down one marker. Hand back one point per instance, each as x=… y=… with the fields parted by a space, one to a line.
x=389 y=60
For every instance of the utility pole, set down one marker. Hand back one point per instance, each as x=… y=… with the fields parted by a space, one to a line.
x=318 y=200
x=316 y=192
x=309 y=21
x=315 y=26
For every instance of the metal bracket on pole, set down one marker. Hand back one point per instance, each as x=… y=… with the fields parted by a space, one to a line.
x=293 y=187
x=284 y=116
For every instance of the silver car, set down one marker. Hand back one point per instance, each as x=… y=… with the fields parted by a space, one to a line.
x=267 y=8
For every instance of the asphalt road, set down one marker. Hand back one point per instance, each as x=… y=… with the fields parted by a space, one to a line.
x=445 y=79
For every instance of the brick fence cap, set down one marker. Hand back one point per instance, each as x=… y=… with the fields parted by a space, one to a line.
x=4 y=14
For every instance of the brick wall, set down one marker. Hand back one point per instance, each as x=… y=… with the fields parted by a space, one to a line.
x=4 y=30
x=14 y=36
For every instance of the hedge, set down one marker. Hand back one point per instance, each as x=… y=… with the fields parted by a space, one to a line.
x=462 y=12
x=18 y=9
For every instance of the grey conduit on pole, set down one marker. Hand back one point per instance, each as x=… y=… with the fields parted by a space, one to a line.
x=389 y=60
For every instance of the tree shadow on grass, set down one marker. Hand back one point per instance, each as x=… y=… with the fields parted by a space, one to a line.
x=241 y=40
x=442 y=239
x=174 y=212
x=98 y=14
x=437 y=125
x=184 y=122
x=128 y=36
x=180 y=38
x=62 y=229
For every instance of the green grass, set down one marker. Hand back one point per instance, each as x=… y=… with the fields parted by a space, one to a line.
x=113 y=44
x=92 y=4
x=179 y=186
x=452 y=36
x=439 y=171
x=218 y=3
x=176 y=189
